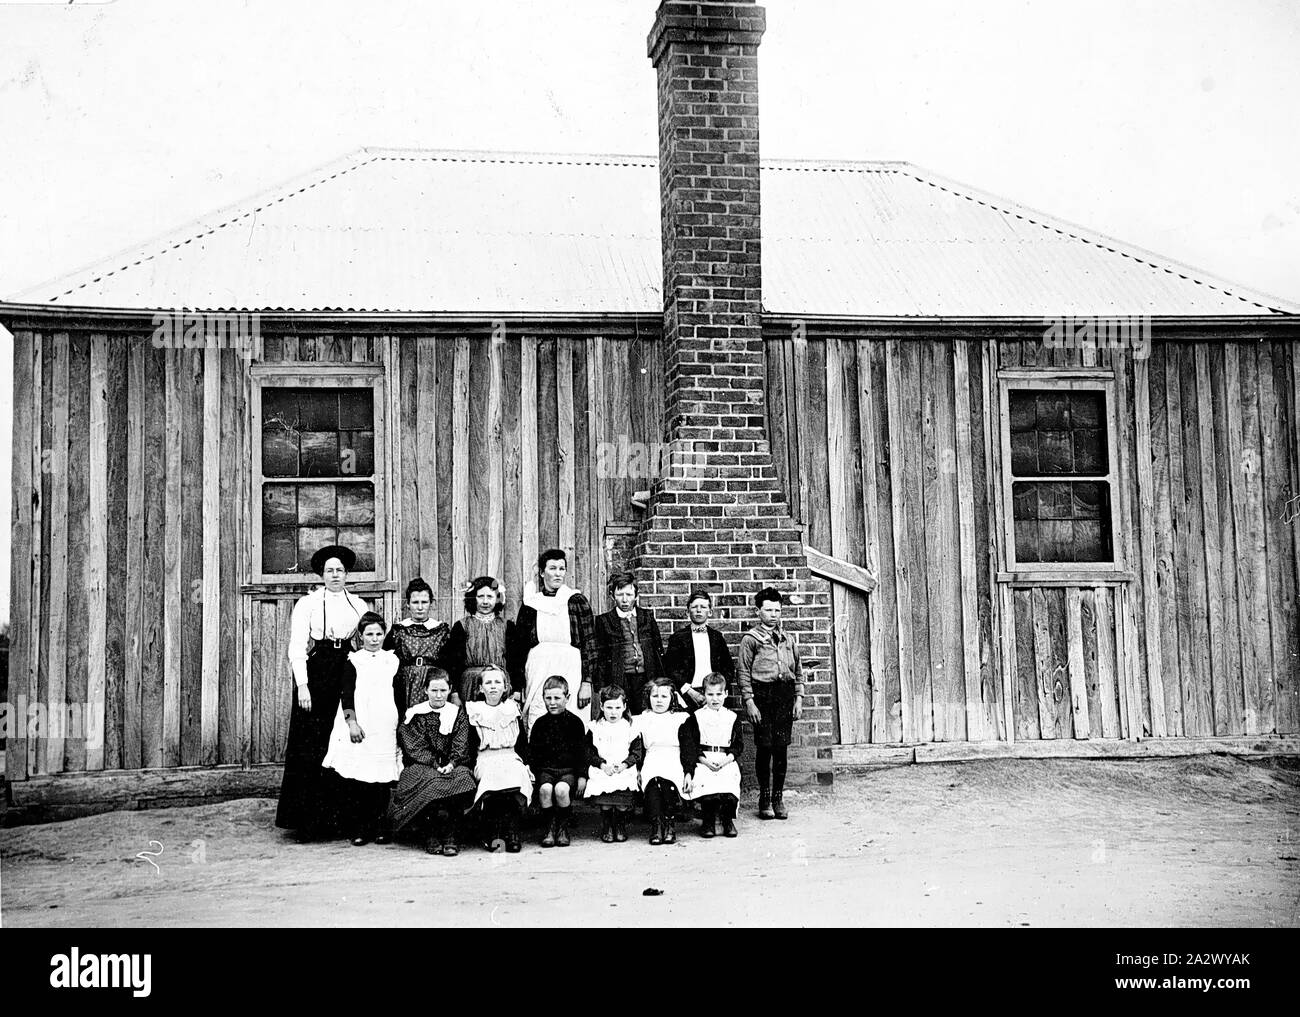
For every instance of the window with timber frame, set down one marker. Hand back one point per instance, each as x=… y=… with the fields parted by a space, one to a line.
x=1060 y=472
x=318 y=441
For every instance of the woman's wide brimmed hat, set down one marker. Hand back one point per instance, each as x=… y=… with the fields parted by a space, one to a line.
x=344 y=554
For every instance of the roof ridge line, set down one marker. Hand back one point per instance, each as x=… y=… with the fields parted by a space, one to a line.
x=193 y=229
x=1102 y=241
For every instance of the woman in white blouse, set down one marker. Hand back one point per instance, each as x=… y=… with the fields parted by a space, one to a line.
x=321 y=630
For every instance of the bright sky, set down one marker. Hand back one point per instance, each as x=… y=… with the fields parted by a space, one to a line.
x=1169 y=124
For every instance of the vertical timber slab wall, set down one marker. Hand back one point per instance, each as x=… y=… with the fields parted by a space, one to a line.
x=1201 y=641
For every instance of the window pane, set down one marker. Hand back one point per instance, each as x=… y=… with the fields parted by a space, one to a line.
x=1026 y=540
x=1025 y=498
x=1054 y=501
x=362 y=540
x=1053 y=411
x=316 y=505
x=1054 y=452
x=279 y=505
x=1088 y=542
x=281 y=405
x=1056 y=541
x=356 y=409
x=1022 y=411
x=279 y=550
x=1090 y=451
x=320 y=454
x=1086 y=409
x=1024 y=454
x=356 y=504
x=356 y=453
x=318 y=409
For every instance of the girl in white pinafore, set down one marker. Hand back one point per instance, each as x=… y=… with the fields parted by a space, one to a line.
x=614 y=752
x=663 y=778
x=505 y=784
x=363 y=744
x=711 y=747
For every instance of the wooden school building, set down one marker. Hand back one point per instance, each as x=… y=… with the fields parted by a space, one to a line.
x=1029 y=489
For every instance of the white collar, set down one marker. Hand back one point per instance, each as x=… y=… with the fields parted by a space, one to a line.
x=629 y=616
x=446 y=716
x=428 y=623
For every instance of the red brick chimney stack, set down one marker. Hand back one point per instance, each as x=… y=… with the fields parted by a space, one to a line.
x=719 y=519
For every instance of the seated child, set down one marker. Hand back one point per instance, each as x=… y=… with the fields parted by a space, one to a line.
x=662 y=776
x=711 y=745
x=437 y=778
x=366 y=757
x=505 y=786
x=557 y=747
x=614 y=751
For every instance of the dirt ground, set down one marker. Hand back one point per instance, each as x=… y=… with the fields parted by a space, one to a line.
x=1190 y=842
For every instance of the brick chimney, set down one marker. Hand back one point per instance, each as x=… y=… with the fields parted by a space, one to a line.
x=718 y=517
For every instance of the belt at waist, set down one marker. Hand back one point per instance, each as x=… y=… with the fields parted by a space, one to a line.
x=715 y=748
x=331 y=646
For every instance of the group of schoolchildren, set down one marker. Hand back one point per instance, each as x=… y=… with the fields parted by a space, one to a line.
x=656 y=742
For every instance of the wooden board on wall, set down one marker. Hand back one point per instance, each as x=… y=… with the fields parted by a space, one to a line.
x=55 y=693
x=1273 y=379
x=1198 y=694
x=1025 y=691
x=851 y=637
x=153 y=581
x=943 y=546
x=469 y=520
x=190 y=591
x=96 y=569
x=513 y=567
x=1163 y=591
x=548 y=492
x=443 y=412
x=874 y=417
x=75 y=649
x=230 y=718
x=18 y=680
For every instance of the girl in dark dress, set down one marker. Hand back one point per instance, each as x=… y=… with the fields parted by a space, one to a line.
x=420 y=642
x=321 y=630
x=436 y=742
x=483 y=639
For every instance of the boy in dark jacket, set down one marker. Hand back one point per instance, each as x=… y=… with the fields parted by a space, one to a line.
x=557 y=746
x=629 y=649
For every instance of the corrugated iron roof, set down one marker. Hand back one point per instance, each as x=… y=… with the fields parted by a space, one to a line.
x=391 y=230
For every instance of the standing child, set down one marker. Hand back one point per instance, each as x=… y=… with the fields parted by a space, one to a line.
x=771 y=687
x=711 y=745
x=363 y=745
x=662 y=777
x=614 y=751
x=504 y=784
x=557 y=745
x=629 y=649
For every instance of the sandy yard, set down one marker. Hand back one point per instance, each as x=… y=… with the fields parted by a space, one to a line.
x=1202 y=841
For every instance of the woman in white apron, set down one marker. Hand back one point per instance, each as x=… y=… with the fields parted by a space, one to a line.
x=556 y=627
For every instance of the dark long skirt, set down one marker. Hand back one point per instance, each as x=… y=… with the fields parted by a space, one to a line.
x=423 y=787
x=307 y=798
